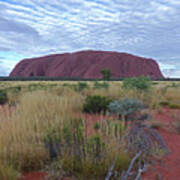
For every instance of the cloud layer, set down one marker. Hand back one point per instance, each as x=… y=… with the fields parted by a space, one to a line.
x=31 y=28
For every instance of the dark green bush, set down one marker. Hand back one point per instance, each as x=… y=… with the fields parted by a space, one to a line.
x=81 y=86
x=96 y=104
x=139 y=83
x=98 y=85
x=164 y=103
x=106 y=74
x=174 y=106
x=3 y=97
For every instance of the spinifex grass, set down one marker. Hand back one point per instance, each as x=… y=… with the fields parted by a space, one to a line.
x=23 y=133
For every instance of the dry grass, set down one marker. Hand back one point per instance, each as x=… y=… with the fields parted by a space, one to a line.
x=22 y=130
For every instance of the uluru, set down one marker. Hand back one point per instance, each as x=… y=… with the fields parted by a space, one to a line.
x=88 y=64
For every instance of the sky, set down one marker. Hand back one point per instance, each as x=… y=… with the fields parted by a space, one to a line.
x=148 y=28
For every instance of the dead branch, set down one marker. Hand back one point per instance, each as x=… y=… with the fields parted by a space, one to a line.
x=125 y=176
x=110 y=170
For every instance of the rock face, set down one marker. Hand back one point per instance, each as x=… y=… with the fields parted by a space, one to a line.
x=88 y=64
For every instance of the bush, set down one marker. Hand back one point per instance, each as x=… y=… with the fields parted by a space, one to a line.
x=106 y=74
x=81 y=86
x=126 y=108
x=98 y=85
x=3 y=97
x=139 y=83
x=174 y=106
x=96 y=104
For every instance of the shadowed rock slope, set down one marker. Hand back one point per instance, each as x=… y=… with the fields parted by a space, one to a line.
x=88 y=64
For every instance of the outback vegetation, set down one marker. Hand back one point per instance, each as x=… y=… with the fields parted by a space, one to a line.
x=83 y=130
x=106 y=74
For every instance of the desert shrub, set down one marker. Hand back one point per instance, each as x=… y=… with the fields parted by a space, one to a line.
x=98 y=85
x=8 y=172
x=96 y=104
x=174 y=85
x=128 y=109
x=81 y=86
x=125 y=107
x=139 y=83
x=106 y=74
x=155 y=83
x=164 y=103
x=3 y=97
x=174 y=106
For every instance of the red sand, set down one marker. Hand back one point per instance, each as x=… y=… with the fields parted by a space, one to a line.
x=33 y=176
x=170 y=168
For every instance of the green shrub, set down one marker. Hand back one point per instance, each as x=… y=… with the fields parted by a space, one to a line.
x=81 y=86
x=96 y=104
x=139 y=83
x=106 y=74
x=174 y=106
x=98 y=85
x=3 y=97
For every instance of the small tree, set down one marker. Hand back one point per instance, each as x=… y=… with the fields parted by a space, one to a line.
x=140 y=83
x=106 y=74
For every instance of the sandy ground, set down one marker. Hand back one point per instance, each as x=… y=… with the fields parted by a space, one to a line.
x=170 y=166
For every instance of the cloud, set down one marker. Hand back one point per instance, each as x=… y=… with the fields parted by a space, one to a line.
x=146 y=28
x=3 y=69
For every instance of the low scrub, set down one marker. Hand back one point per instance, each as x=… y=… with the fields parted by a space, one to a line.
x=139 y=83
x=126 y=108
x=96 y=104
x=3 y=97
x=174 y=106
x=81 y=86
x=99 y=85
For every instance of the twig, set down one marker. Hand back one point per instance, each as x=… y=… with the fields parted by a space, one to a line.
x=110 y=170
x=131 y=166
x=140 y=170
